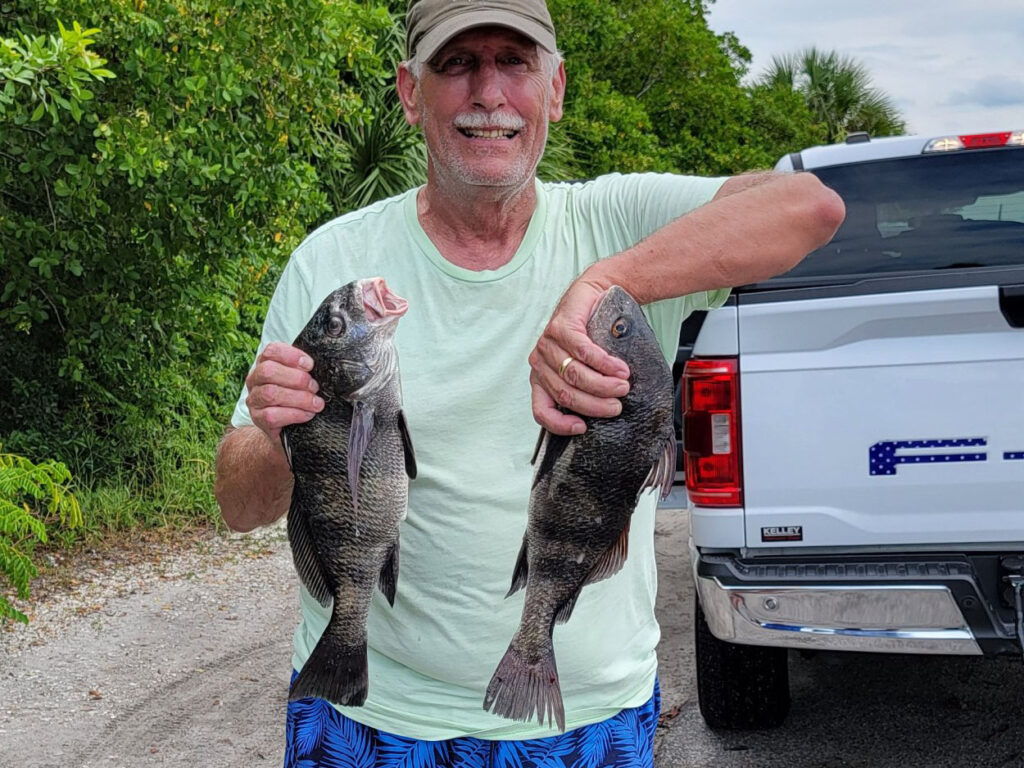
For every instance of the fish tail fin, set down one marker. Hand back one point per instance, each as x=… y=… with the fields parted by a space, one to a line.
x=519 y=689
x=335 y=671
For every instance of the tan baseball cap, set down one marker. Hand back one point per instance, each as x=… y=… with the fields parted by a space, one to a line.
x=429 y=24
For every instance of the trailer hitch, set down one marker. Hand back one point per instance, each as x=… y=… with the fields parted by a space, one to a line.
x=1016 y=582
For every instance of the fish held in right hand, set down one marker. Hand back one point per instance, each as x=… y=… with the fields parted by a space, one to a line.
x=352 y=463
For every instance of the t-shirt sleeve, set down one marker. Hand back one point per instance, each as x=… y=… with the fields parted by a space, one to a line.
x=646 y=203
x=289 y=311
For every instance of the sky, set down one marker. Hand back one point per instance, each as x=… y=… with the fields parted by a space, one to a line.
x=950 y=66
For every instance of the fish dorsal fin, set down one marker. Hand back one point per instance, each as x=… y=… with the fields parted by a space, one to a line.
x=306 y=557
x=522 y=569
x=410 y=454
x=358 y=438
x=613 y=559
x=663 y=473
x=389 y=575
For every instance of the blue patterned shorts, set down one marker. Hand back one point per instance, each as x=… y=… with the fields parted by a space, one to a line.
x=319 y=736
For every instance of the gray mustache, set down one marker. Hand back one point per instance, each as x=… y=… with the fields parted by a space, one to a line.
x=500 y=120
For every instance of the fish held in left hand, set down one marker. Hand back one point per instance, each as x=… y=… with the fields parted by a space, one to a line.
x=352 y=463
x=585 y=489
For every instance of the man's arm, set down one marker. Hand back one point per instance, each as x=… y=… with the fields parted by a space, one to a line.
x=254 y=481
x=756 y=226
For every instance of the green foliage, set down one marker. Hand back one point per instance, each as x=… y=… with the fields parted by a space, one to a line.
x=53 y=71
x=388 y=155
x=837 y=91
x=32 y=496
x=142 y=223
x=778 y=122
x=652 y=88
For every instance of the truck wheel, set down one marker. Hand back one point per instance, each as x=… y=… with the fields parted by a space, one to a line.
x=739 y=687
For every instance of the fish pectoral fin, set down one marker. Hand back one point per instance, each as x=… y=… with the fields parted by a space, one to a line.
x=554 y=447
x=358 y=438
x=536 y=448
x=410 y=454
x=611 y=562
x=521 y=571
x=663 y=473
x=287 y=448
x=388 y=581
x=306 y=557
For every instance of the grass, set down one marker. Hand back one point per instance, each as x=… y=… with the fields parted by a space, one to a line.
x=173 y=492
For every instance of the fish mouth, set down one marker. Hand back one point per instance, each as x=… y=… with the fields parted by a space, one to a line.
x=381 y=305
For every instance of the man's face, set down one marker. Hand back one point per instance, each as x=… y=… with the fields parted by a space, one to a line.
x=484 y=102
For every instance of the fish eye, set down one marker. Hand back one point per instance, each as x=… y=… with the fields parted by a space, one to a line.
x=620 y=328
x=335 y=326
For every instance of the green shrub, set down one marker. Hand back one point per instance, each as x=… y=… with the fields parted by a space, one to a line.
x=144 y=216
x=32 y=496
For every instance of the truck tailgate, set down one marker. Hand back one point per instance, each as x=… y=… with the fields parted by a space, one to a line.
x=882 y=419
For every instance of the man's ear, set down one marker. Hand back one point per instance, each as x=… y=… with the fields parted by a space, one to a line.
x=408 y=94
x=558 y=87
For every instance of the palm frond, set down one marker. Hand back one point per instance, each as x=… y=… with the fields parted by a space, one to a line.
x=838 y=92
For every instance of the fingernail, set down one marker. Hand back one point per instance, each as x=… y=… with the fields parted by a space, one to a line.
x=313 y=386
x=318 y=403
x=578 y=429
x=306 y=362
x=622 y=388
x=618 y=408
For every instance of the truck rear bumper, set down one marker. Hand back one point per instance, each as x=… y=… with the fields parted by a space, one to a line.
x=826 y=606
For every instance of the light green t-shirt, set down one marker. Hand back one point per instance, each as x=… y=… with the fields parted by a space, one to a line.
x=462 y=350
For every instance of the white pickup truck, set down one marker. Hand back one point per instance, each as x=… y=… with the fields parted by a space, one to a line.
x=853 y=430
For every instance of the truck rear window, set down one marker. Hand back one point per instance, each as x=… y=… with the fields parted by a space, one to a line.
x=924 y=213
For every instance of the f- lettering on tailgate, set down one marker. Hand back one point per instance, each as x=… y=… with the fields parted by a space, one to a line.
x=892 y=418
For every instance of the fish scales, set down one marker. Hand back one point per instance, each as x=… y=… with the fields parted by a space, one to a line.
x=584 y=492
x=351 y=463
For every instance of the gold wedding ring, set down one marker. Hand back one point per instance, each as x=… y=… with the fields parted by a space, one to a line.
x=564 y=365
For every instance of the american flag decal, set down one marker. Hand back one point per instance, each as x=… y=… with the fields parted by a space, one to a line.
x=883 y=457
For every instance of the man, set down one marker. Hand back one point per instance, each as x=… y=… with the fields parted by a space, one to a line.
x=498 y=270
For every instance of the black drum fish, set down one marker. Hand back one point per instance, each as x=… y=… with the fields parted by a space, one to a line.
x=352 y=463
x=585 y=489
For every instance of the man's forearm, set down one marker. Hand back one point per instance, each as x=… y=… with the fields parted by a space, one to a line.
x=756 y=227
x=254 y=482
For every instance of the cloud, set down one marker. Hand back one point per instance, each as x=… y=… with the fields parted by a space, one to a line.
x=990 y=92
x=947 y=66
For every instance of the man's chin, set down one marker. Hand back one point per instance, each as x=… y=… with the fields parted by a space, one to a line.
x=500 y=177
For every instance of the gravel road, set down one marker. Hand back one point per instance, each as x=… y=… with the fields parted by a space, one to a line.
x=181 y=659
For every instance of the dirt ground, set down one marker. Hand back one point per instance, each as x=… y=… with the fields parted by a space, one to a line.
x=182 y=658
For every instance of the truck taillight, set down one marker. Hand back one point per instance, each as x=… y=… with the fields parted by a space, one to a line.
x=711 y=432
x=975 y=141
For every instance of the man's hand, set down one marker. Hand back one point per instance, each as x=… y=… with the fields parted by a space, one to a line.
x=254 y=482
x=589 y=383
x=281 y=391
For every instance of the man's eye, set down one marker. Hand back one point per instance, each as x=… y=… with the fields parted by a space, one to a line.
x=516 y=62
x=454 y=63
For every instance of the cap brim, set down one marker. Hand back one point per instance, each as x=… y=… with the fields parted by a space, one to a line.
x=433 y=41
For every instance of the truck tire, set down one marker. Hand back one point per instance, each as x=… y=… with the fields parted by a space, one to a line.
x=739 y=687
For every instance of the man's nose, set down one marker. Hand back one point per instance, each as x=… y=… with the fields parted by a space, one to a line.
x=488 y=91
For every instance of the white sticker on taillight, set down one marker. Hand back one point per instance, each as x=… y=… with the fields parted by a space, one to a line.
x=721 y=441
